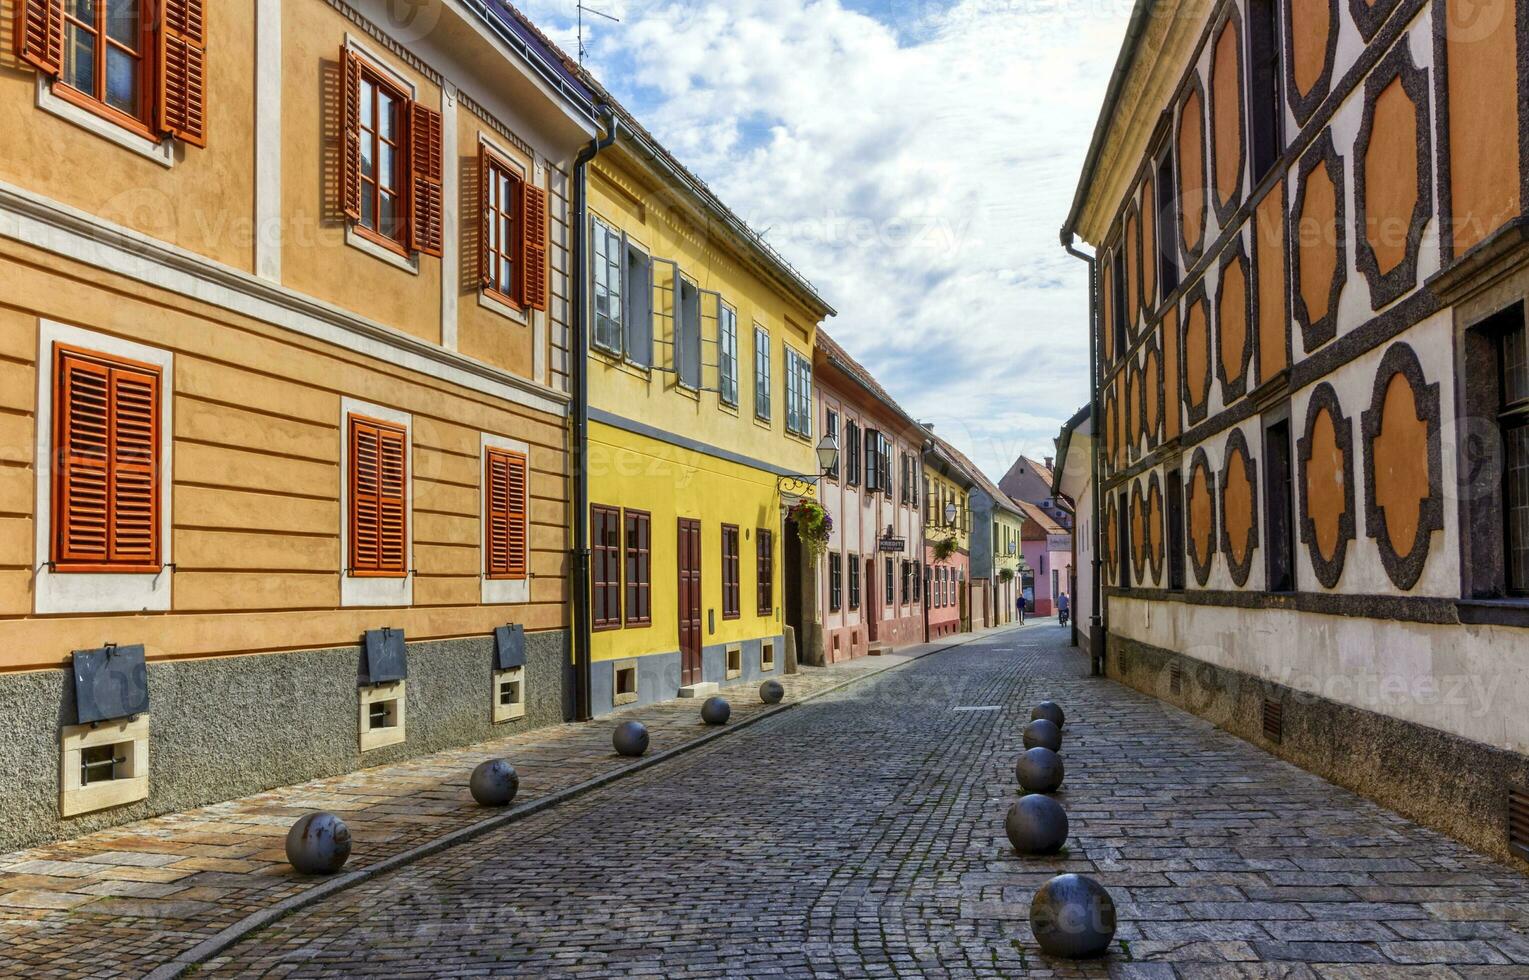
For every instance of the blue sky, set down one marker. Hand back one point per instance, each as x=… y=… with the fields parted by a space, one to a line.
x=913 y=159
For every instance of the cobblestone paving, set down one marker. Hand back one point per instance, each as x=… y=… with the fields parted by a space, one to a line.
x=122 y=901
x=861 y=836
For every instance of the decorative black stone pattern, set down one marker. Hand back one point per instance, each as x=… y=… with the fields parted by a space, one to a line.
x=1237 y=450
x=1235 y=386
x=1227 y=210
x=1328 y=570
x=1192 y=85
x=1368 y=16
x=1386 y=288
x=1196 y=295
x=1155 y=552
x=1200 y=463
x=1133 y=246
x=1141 y=538
x=1401 y=359
x=1315 y=333
x=1304 y=105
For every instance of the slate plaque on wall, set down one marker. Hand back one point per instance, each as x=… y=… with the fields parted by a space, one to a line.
x=510 y=647
x=111 y=682
x=386 y=659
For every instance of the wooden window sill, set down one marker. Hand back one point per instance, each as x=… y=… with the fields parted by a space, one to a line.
x=67 y=104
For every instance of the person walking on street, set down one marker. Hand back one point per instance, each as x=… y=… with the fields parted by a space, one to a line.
x=1064 y=606
x=1019 y=607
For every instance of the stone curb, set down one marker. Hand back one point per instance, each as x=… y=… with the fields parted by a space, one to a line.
x=218 y=943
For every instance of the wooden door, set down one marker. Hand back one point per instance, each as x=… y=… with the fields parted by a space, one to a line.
x=690 y=600
x=872 y=595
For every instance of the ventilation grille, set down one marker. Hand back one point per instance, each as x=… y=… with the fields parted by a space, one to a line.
x=1274 y=720
x=1518 y=823
x=1176 y=677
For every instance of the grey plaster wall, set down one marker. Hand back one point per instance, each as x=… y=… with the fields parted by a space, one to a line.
x=658 y=674
x=1452 y=784
x=229 y=727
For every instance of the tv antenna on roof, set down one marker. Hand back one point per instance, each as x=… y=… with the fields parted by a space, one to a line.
x=598 y=13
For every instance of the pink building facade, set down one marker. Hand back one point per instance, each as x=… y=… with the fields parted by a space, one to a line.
x=871 y=578
x=1047 y=548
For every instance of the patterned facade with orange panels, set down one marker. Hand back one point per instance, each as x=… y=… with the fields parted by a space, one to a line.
x=1312 y=275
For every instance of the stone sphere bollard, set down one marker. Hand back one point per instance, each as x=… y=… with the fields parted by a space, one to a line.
x=494 y=783
x=318 y=844
x=1051 y=711
x=1036 y=825
x=716 y=711
x=1044 y=734
x=1073 y=917
x=1039 y=770
x=630 y=738
x=770 y=692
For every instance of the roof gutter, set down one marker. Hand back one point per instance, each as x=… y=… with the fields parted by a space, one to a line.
x=1135 y=29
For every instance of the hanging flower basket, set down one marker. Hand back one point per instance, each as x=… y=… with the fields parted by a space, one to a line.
x=814 y=525
x=1006 y=574
x=944 y=548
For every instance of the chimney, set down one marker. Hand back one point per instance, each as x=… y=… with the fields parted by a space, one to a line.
x=1050 y=463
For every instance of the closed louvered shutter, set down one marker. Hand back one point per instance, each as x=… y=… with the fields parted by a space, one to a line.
x=182 y=71
x=379 y=531
x=350 y=145
x=486 y=218
x=506 y=515
x=425 y=179
x=106 y=485
x=533 y=234
x=39 y=33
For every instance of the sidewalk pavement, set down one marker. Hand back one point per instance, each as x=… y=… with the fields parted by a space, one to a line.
x=168 y=892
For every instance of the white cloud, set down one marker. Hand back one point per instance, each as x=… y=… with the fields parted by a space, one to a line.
x=915 y=165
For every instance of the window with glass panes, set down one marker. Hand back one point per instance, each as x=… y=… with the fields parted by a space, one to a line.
x=731 y=604
x=854 y=581
x=106 y=49
x=727 y=355
x=501 y=198
x=762 y=373
x=1513 y=418
x=798 y=394
x=382 y=157
x=835 y=581
x=831 y=424
x=606 y=257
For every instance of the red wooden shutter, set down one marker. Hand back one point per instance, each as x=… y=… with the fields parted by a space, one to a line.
x=379 y=529
x=533 y=255
x=506 y=515
x=425 y=179
x=350 y=146
x=182 y=70
x=39 y=31
x=106 y=483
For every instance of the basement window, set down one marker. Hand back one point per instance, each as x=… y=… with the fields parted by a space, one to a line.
x=382 y=716
x=103 y=765
x=767 y=657
x=624 y=682
x=734 y=662
x=509 y=694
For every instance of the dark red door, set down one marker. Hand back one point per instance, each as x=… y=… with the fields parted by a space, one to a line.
x=690 y=600
x=872 y=614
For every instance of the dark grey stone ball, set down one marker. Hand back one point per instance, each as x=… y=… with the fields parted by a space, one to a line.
x=1044 y=734
x=716 y=711
x=1039 y=770
x=318 y=844
x=1073 y=917
x=630 y=738
x=1051 y=711
x=1036 y=825
x=770 y=692
x=495 y=783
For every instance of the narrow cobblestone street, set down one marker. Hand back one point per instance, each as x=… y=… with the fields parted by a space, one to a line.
x=862 y=835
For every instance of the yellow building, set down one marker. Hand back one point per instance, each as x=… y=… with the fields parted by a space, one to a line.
x=699 y=436
x=271 y=378
x=947 y=539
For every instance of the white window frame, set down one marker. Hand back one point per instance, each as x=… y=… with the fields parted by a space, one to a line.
x=604 y=237
x=356 y=591
x=727 y=355
x=99 y=592
x=763 y=393
x=501 y=592
x=798 y=393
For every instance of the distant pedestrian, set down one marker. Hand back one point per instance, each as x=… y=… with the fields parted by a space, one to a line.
x=1064 y=607
x=1019 y=607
